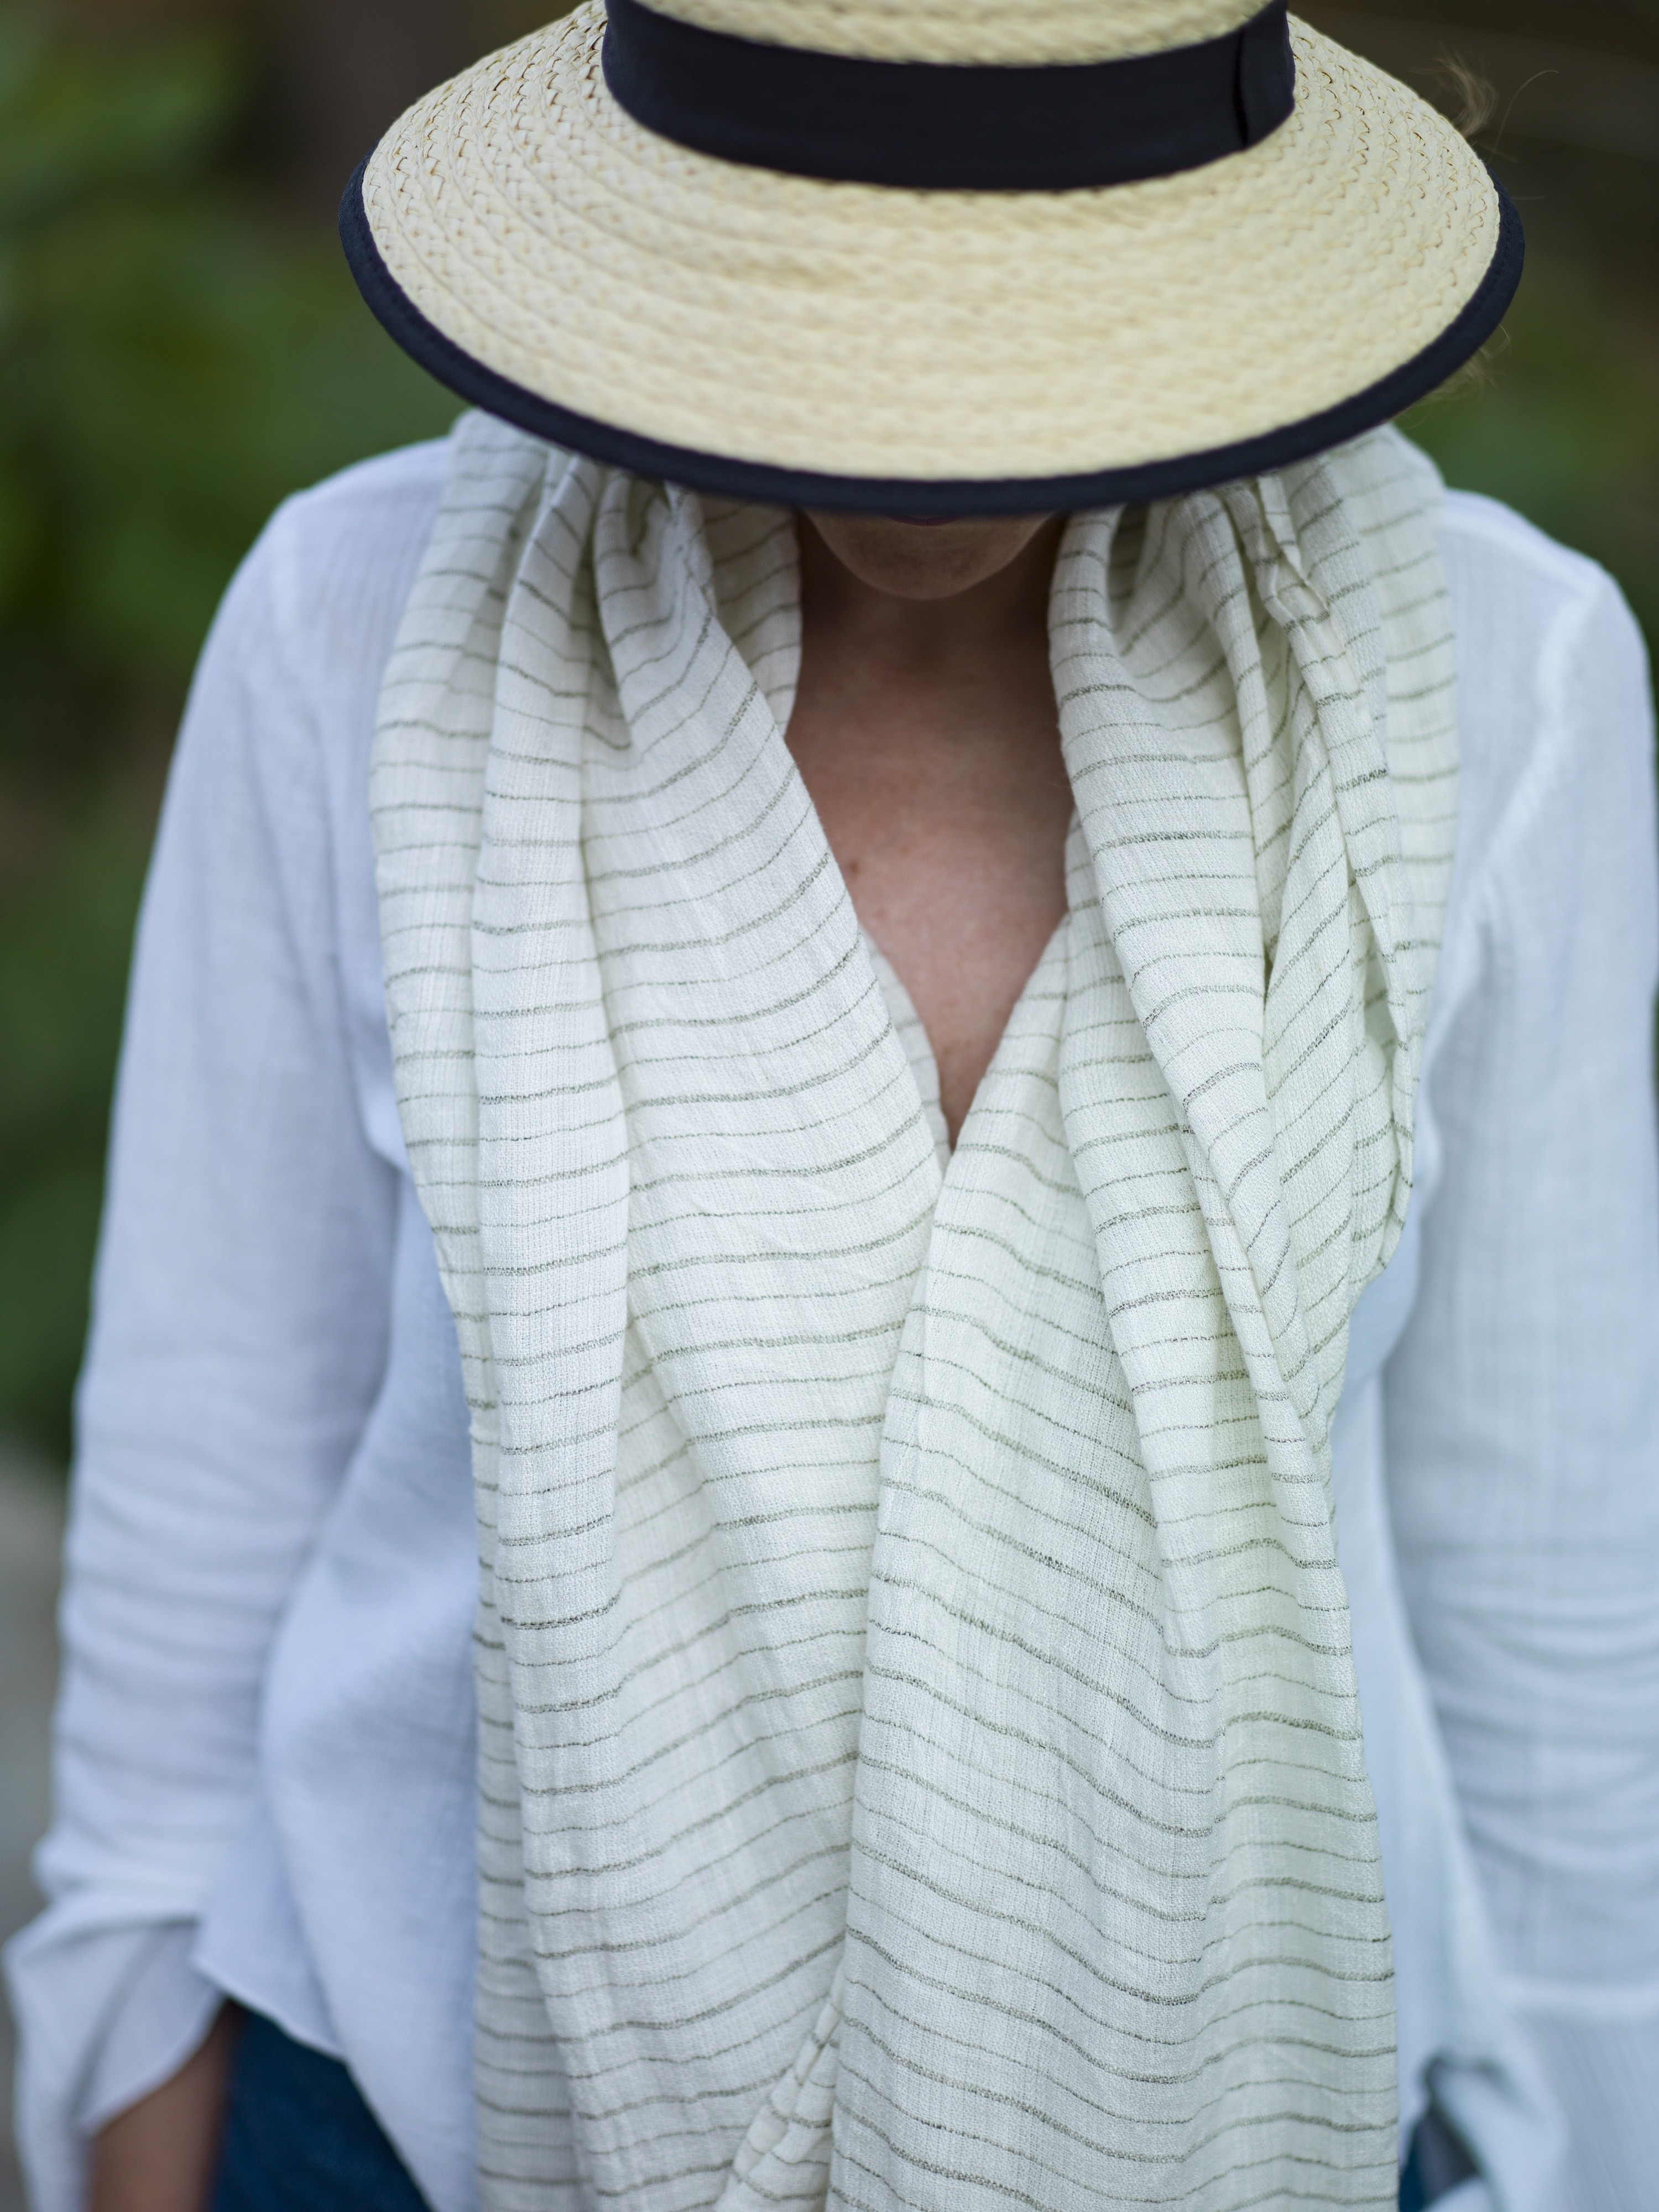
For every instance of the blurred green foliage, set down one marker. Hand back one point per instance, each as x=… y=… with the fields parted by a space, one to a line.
x=1561 y=419
x=174 y=360
x=65 y=922
x=172 y=363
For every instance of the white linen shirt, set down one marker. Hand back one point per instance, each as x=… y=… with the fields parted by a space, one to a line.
x=265 y=1731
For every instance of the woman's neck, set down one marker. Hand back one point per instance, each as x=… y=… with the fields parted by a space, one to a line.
x=911 y=623
x=926 y=731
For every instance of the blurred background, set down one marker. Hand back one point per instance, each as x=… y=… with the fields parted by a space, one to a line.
x=180 y=346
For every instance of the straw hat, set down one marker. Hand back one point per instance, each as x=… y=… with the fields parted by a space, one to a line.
x=933 y=256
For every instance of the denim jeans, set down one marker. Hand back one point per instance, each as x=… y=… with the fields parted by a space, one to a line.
x=300 y=2138
x=1438 y=2163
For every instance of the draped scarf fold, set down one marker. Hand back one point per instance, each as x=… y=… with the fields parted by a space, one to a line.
x=919 y=1760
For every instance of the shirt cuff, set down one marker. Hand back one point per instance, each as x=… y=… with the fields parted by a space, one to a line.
x=161 y=2019
x=105 y=2017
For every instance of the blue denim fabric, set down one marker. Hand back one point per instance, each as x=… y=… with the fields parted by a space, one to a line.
x=1438 y=2163
x=300 y=2138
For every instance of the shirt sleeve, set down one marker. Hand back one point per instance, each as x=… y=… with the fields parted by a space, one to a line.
x=1522 y=1402
x=241 y=1317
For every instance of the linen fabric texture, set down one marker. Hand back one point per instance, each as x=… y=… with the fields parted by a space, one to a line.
x=920 y=1752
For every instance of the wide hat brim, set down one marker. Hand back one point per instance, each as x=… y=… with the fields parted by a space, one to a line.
x=811 y=343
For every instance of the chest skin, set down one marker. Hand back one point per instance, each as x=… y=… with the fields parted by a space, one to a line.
x=932 y=754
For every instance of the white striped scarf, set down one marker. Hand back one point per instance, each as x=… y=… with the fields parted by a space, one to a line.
x=921 y=1763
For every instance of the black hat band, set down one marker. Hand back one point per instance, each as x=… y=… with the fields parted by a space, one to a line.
x=945 y=126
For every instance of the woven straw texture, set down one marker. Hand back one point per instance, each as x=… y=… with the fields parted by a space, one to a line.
x=920 y=1767
x=1028 y=33
x=870 y=333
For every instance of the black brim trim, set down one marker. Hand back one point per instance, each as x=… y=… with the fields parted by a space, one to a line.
x=759 y=481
